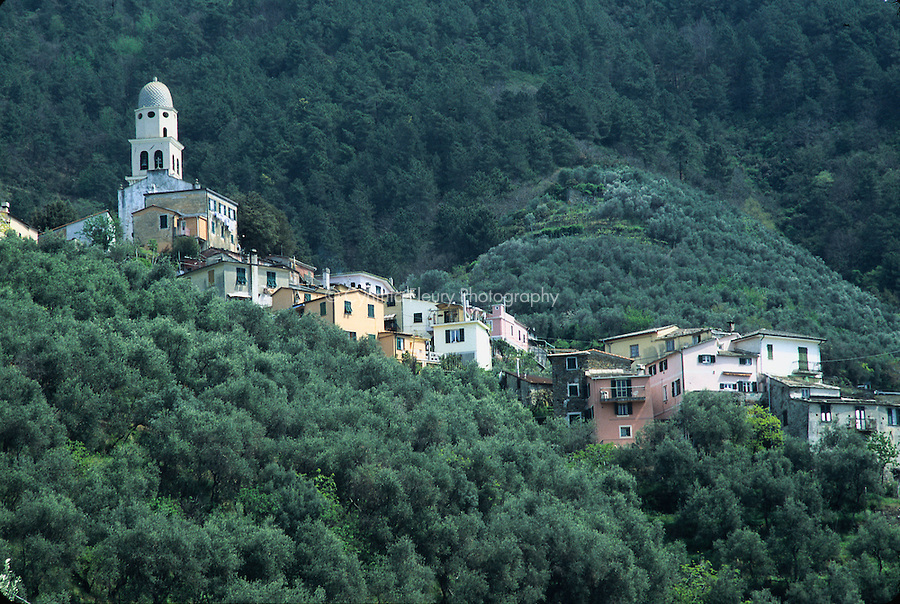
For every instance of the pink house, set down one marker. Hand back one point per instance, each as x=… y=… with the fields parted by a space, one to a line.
x=620 y=403
x=505 y=327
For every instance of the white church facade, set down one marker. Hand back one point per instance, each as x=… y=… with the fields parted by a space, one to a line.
x=159 y=206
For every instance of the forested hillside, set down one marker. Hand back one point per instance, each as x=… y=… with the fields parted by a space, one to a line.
x=158 y=444
x=622 y=250
x=391 y=133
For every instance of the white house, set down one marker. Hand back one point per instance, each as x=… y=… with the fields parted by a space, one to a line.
x=461 y=330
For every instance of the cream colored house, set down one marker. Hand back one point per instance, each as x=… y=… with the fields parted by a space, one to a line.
x=11 y=224
x=231 y=275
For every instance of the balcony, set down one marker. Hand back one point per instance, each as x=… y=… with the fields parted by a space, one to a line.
x=622 y=394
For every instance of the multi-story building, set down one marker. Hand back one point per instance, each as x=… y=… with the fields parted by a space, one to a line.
x=233 y=275
x=571 y=383
x=356 y=311
x=461 y=330
x=506 y=328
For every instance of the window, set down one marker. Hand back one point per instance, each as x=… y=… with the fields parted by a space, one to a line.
x=417 y=317
x=676 y=388
x=241 y=278
x=860 y=418
x=727 y=386
x=770 y=351
x=163 y=221
x=212 y=227
x=378 y=290
x=624 y=431
x=270 y=279
x=352 y=335
x=211 y=277
x=571 y=363
x=399 y=343
x=151 y=114
x=573 y=389
x=372 y=337
x=348 y=308
x=635 y=351
x=804 y=393
x=706 y=359
x=623 y=409
x=391 y=301
x=212 y=205
x=455 y=335
x=670 y=345
x=621 y=388
x=745 y=361
x=158 y=160
x=893 y=416
x=574 y=416
x=322 y=309
x=651 y=370
x=588 y=413
x=450 y=316
x=371 y=310
x=165 y=132
x=747 y=387
x=825 y=413
x=803 y=359
x=145 y=160
x=663 y=365
x=696 y=338
x=307 y=297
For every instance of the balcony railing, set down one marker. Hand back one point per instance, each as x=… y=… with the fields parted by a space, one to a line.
x=626 y=393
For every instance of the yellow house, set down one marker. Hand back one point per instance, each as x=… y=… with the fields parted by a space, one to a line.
x=357 y=312
x=395 y=344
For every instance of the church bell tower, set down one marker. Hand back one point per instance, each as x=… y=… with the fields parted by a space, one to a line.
x=155 y=145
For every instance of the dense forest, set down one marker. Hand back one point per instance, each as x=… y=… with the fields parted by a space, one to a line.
x=393 y=135
x=158 y=444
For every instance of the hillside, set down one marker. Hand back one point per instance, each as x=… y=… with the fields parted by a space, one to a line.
x=391 y=133
x=158 y=444
x=624 y=249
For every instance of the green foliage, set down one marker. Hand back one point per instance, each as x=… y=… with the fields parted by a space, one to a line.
x=766 y=428
x=102 y=231
x=162 y=444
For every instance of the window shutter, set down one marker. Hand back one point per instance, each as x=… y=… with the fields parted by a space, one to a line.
x=447 y=335
x=462 y=334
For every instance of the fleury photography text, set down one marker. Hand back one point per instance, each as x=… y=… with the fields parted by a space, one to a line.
x=466 y=296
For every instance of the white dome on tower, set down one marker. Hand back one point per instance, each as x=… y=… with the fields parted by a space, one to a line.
x=155 y=94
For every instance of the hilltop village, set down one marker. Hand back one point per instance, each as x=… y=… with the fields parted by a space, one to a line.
x=630 y=380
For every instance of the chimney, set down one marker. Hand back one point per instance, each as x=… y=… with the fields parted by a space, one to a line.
x=731 y=327
x=196 y=184
x=254 y=277
x=4 y=208
x=326 y=278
